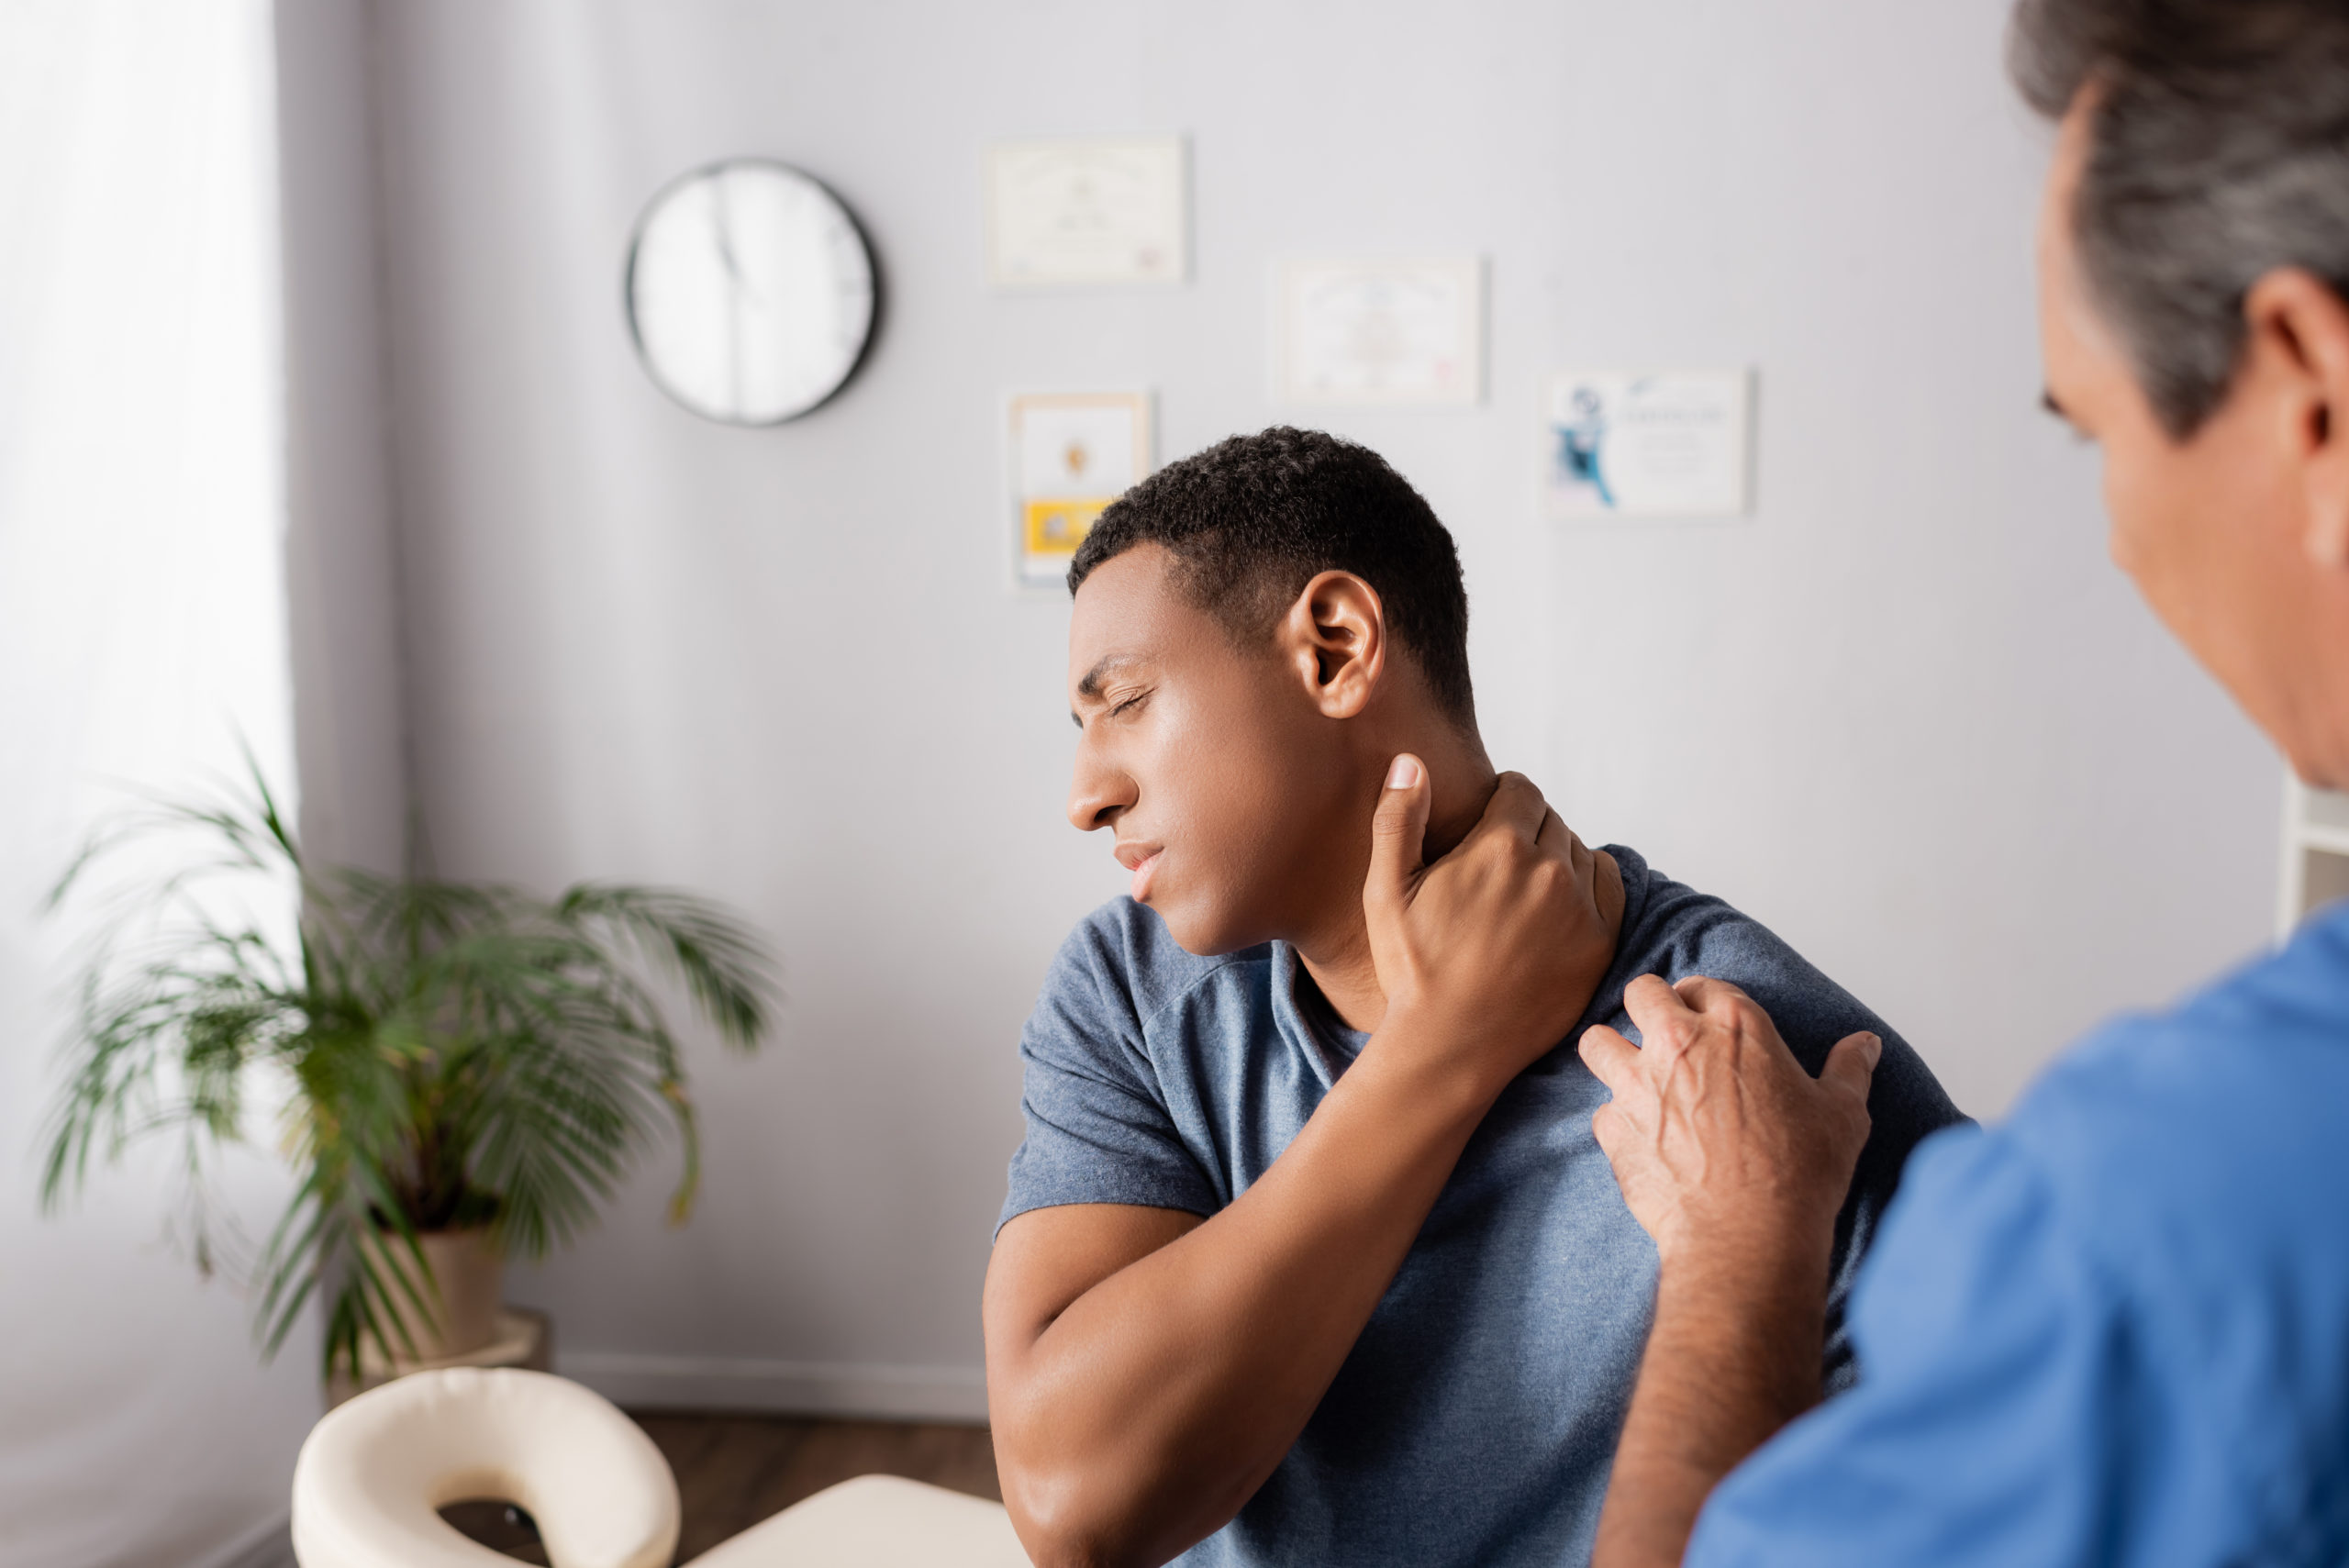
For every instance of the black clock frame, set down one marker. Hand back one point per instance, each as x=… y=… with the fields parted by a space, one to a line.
x=627 y=288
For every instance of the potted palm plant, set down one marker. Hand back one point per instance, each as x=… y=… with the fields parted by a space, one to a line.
x=460 y=1072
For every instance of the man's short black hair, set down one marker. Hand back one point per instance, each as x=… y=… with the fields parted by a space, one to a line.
x=2219 y=152
x=1251 y=520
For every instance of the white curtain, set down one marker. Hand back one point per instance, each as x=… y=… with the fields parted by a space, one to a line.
x=142 y=632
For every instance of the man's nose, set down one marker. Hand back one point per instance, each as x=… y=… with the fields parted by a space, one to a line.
x=1097 y=796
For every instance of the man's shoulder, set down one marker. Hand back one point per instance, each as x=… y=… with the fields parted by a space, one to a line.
x=2197 y=1154
x=2155 y=1227
x=1673 y=930
x=1121 y=956
x=2227 y=1113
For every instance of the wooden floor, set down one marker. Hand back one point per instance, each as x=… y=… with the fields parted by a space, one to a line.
x=733 y=1471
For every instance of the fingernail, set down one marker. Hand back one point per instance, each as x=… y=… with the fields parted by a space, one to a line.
x=1404 y=774
x=1875 y=1049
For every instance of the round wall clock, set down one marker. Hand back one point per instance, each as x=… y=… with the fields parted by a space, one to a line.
x=751 y=292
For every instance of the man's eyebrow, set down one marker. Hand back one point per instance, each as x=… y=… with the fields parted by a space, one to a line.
x=2047 y=401
x=1090 y=686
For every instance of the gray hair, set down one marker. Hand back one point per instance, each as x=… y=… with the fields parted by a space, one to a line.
x=2219 y=152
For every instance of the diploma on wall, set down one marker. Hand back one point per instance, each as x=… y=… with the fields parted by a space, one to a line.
x=1095 y=209
x=1397 y=332
x=1656 y=444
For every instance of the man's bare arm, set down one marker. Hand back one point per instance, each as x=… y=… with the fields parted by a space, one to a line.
x=1136 y=1419
x=1147 y=1371
x=1736 y=1162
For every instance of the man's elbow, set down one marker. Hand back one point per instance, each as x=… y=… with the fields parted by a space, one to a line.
x=1079 y=1504
x=1058 y=1511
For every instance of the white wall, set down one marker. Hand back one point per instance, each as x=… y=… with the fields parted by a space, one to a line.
x=1906 y=713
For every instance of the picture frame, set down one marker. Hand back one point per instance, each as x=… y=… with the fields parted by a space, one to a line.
x=1667 y=443
x=1069 y=211
x=1066 y=456
x=1397 y=332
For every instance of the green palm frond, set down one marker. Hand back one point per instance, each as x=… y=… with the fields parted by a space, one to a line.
x=448 y=1053
x=720 y=962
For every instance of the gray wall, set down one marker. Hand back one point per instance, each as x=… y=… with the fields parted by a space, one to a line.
x=342 y=547
x=1906 y=713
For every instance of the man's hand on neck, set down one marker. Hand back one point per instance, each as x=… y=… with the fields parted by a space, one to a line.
x=1463 y=783
x=1487 y=955
x=1336 y=950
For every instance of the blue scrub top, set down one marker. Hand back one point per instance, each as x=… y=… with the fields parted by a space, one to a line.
x=2114 y=1329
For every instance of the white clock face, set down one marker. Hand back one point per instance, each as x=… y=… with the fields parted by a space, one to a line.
x=750 y=290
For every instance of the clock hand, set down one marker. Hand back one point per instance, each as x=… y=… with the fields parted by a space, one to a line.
x=722 y=222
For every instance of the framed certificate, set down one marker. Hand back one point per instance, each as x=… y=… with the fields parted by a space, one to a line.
x=1068 y=456
x=1648 y=444
x=1375 y=331
x=1098 y=209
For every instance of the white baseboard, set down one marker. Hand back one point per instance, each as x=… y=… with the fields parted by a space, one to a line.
x=781 y=1387
x=269 y=1545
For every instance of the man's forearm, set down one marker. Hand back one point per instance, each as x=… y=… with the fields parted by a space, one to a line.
x=1734 y=1355
x=1735 y=1159
x=1160 y=1400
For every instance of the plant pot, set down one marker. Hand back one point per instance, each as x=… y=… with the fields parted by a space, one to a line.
x=461 y=1316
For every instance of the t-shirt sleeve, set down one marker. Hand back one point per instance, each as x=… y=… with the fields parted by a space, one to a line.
x=1906 y=1104
x=1679 y=932
x=1099 y=1127
x=1993 y=1421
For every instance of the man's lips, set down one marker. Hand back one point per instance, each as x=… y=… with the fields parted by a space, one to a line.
x=1143 y=861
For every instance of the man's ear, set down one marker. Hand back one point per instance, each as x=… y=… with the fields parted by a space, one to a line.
x=2296 y=320
x=1334 y=637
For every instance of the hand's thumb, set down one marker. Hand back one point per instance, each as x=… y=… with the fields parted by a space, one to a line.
x=1399 y=828
x=1852 y=1064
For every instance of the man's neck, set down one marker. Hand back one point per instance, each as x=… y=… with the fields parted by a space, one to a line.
x=1336 y=952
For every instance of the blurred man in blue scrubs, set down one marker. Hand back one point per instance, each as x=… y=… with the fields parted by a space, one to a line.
x=2114 y=1329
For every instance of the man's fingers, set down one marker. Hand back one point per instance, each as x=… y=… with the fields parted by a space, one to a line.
x=1557 y=841
x=1605 y=1123
x=1656 y=1008
x=1516 y=806
x=1608 y=882
x=1399 y=828
x=1851 y=1066
x=1611 y=1058
x=1557 y=838
x=1703 y=994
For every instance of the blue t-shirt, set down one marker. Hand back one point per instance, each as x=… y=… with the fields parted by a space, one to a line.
x=1474 y=1420
x=2114 y=1329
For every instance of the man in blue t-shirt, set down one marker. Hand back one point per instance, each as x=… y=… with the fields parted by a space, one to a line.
x=2114 y=1329
x=1309 y=1255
